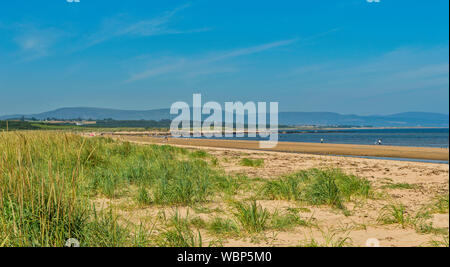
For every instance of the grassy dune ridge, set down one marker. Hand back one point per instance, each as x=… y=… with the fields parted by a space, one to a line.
x=50 y=182
x=44 y=191
x=47 y=180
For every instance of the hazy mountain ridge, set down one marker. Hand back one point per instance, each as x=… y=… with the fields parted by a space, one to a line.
x=97 y=114
x=407 y=119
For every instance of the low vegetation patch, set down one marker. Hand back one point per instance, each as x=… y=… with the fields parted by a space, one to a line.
x=251 y=216
x=405 y=186
x=252 y=162
x=223 y=227
x=330 y=238
x=397 y=214
x=287 y=221
x=179 y=234
x=440 y=205
x=442 y=242
x=318 y=187
x=394 y=214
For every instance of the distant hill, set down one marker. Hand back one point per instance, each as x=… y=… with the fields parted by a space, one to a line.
x=409 y=119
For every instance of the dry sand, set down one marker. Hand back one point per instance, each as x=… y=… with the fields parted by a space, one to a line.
x=428 y=180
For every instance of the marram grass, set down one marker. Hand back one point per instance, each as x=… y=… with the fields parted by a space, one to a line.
x=48 y=179
x=318 y=187
x=42 y=192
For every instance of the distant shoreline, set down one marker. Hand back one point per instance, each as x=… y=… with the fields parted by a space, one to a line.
x=361 y=128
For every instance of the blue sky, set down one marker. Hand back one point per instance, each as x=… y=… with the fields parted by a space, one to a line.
x=346 y=56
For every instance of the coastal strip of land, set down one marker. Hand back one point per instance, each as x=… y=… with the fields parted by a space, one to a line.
x=422 y=153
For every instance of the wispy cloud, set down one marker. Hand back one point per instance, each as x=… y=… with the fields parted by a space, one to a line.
x=427 y=71
x=117 y=27
x=156 y=71
x=199 y=66
x=202 y=65
x=251 y=50
x=35 y=42
x=308 y=69
x=400 y=70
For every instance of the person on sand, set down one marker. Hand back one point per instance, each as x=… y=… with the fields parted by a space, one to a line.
x=321 y=141
x=379 y=142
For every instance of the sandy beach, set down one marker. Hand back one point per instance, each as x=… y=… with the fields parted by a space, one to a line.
x=424 y=153
x=414 y=185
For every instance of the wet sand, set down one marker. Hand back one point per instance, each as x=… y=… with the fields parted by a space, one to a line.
x=422 y=153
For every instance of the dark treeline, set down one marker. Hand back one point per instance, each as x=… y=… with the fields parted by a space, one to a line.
x=17 y=125
x=140 y=124
x=21 y=124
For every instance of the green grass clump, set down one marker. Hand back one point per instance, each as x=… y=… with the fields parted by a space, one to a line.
x=440 y=205
x=179 y=234
x=287 y=188
x=330 y=239
x=181 y=182
x=223 y=227
x=400 y=186
x=231 y=185
x=286 y=221
x=252 y=162
x=186 y=183
x=252 y=217
x=104 y=231
x=206 y=210
x=318 y=187
x=394 y=214
x=397 y=214
x=428 y=228
x=443 y=242
x=215 y=161
x=143 y=197
x=198 y=222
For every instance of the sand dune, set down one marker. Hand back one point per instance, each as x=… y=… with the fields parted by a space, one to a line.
x=427 y=181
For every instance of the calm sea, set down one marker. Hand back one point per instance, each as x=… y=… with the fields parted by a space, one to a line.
x=392 y=137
